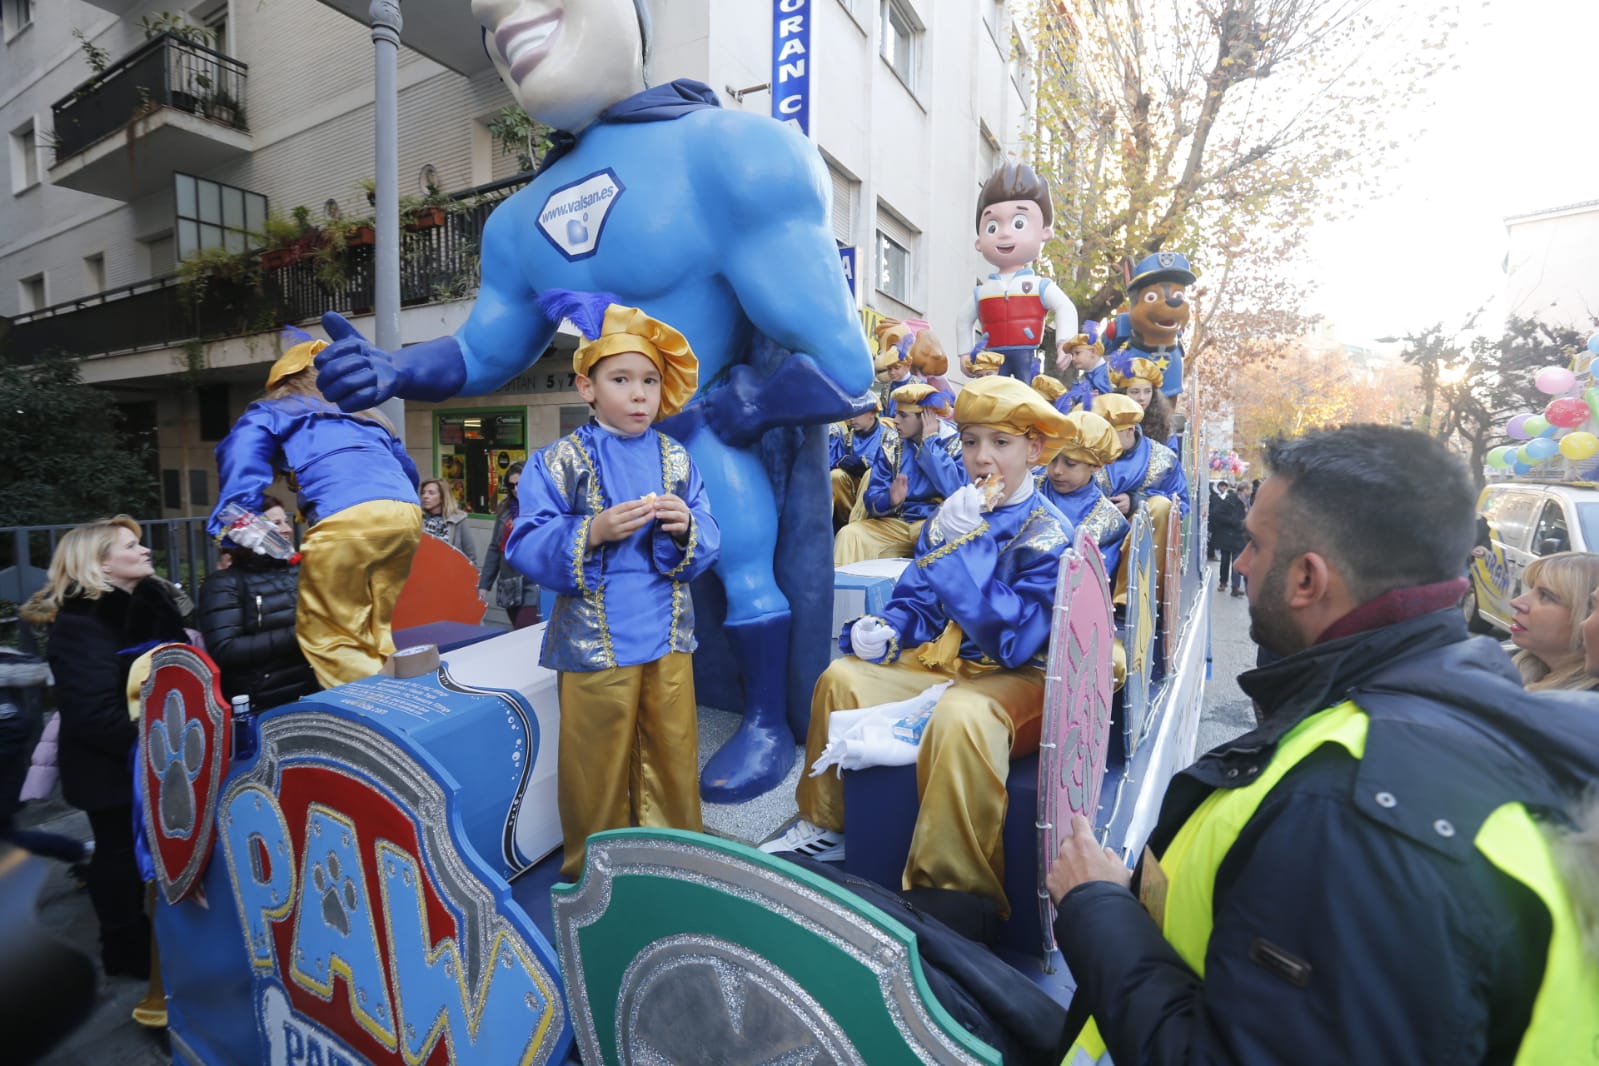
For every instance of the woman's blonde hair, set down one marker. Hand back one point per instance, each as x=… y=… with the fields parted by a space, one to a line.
x=447 y=507
x=303 y=383
x=1572 y=577
x=76 y=568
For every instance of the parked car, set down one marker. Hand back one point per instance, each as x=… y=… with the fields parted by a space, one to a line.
x=1526 y=520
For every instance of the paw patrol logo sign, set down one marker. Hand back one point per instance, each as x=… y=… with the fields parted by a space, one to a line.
x=185 y=736
x=374 y=937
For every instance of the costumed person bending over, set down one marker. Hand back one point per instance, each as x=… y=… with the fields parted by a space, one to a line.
x=715 y=221
x=910 y=477
x=614 y=520
x=975 y=608
x=357 y=491
x=1014 y=216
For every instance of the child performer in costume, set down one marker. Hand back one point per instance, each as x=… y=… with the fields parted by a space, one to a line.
x=984 y=364
x=1087 y=354
x=1068 y=483
x=1014 y=216
x=1140 y=379
x=974 y=608
x=852 y=448
x=358 y=492
x=909 y=479
x=1147 y=471
x=614 y=519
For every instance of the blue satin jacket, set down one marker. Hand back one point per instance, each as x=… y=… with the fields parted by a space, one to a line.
x=997 y=583
x=1088 y=508
x=623 y=603
x=1149 y=468
x=932 y=469
x=845 y=442
x=333 y=460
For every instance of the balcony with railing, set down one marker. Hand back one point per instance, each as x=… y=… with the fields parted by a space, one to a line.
x=438 y=262
x=172 y=104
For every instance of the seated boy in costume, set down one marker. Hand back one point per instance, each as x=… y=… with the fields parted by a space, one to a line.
x=1087 y=354
x=1068 y=483
x=357 y=491
x=852 y=446
x=974 y=608
x=909 y=479
x=1147 y=471
x=614 y=519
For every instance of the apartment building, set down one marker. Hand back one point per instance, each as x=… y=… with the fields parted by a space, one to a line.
x=1552 y=265
x=150 y=143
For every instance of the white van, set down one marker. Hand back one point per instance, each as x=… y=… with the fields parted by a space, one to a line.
x=1526 y=519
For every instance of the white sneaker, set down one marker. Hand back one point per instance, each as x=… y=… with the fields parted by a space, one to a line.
x=810 y=840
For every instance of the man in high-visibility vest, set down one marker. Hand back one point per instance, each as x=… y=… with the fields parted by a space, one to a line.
x=1396 y=866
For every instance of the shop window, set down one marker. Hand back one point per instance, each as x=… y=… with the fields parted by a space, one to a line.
x=475 y=448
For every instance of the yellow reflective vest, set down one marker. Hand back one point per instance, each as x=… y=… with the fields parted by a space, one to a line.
x=1565 y=1016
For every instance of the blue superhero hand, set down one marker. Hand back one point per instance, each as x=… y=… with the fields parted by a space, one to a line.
x=356 y=374
x=351 y=371
x=797 y=394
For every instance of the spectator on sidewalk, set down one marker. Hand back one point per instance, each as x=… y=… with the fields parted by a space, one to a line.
x=499 y=583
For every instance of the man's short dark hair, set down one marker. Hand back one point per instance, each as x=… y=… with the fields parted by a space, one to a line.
x=1391 y=507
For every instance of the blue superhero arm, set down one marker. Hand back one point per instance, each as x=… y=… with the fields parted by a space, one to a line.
x=506 y=332
x=773 y=193
x=356 y=374
x=701 y=547
x=245 y=464
x=548 y=543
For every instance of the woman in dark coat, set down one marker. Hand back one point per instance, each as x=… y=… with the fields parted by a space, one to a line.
x=247 y=620
x=1227 y=510
x=498 y=582
x=103 y=606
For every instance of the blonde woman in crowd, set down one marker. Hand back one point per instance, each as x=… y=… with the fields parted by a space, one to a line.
x=1556 y=591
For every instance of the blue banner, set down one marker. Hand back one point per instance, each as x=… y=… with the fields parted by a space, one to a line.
x=791 y=63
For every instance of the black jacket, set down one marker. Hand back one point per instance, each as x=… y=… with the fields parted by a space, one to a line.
x=247 y=619
x=1418 y=950
x=89 y=655
x=1227 y=523
x=497 y=574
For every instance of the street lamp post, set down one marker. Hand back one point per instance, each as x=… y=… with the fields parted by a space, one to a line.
x=386 y=26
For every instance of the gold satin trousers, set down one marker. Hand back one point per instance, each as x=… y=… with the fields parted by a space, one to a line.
x=629 y=751
x=353 y=566
x=961 y=766
x=875 y=538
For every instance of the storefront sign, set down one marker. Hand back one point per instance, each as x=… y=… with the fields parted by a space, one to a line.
x=791 y=63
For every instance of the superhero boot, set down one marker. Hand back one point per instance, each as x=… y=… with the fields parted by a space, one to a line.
x=757 y=757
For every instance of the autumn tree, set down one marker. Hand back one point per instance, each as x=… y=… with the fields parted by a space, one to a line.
x=1221 y=128
x=1302 y=388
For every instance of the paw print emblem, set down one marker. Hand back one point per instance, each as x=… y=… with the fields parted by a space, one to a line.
x=176 y=754
x=338 y=899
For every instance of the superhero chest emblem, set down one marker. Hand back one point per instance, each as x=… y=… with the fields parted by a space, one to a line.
x=573 y=217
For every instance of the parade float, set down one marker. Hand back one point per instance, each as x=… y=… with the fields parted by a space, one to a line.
x=370 y=874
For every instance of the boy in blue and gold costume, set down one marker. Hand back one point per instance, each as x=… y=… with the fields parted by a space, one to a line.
x=357 y=491
x=614 y=519
x=1146 y=468
x=910 y=477
x=975 y=608
x=1068 y=483
x=852 y=447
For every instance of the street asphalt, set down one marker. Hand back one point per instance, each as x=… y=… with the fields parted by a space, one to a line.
x=110 y=1037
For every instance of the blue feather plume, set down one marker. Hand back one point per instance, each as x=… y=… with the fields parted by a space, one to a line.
x=293 y=335
x=1121 y=361
x=585 y=310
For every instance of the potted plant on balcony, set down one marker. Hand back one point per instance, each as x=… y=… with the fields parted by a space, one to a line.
x=283 y=242
x=428 y=212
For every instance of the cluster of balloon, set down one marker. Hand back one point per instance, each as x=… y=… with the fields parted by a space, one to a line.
x=1227 y=464
x=1555 y=431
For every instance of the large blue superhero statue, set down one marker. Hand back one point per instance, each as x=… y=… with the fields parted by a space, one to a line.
x=714 y=221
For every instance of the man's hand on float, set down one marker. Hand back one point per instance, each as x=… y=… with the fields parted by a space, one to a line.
x=351 y=371
x=1081 y=860
x=853 y=465
x=898 y=489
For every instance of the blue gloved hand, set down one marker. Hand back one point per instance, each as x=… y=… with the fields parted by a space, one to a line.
x=356 y=374
x=352 y=371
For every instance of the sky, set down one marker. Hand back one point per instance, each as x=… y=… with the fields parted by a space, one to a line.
x=1514 y=129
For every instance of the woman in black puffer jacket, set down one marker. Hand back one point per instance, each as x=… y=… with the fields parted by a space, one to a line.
x=247 y=620
x=102 y=606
